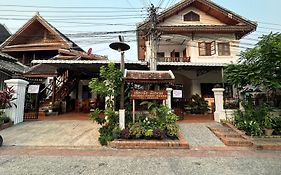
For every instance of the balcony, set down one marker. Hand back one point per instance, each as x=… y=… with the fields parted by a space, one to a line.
x=173 y=59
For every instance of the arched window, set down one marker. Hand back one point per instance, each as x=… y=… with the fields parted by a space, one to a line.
x=191 y=16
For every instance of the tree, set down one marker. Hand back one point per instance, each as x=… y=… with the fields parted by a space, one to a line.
x=259 y=66
x=109 y=83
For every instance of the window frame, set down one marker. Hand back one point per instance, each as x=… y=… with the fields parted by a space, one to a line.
x=191 y=17
x=222 y=50
x=206 y=50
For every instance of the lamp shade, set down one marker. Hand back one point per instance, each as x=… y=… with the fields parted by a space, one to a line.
x=119 y=46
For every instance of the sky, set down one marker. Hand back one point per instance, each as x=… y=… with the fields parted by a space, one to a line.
x=95 y=23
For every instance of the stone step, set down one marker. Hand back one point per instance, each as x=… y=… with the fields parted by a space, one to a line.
x=229 y=135
x=236 y=142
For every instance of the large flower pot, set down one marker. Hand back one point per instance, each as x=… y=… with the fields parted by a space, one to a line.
x=268 y=132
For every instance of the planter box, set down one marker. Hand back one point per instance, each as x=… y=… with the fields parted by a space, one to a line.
x=180 y=143
x=6 y=125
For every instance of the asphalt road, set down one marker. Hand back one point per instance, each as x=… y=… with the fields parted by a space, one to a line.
x=116 y=164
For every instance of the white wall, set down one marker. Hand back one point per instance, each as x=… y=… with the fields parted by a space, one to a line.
x=169 y=43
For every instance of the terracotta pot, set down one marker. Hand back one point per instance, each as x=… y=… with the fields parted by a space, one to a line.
x=268 y=132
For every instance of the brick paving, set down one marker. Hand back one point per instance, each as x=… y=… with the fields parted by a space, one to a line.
x=198 y=134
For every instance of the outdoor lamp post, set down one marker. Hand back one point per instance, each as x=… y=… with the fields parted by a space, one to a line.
x=121 y=47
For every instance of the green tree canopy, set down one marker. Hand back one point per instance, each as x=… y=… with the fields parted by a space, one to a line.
x=258 y=66
x=108 y=84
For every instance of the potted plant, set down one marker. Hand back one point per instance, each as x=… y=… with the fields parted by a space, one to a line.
x=268 y=125
x=197 y=105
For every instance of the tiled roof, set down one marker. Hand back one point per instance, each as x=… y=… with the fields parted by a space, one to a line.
x=12 y=67
x=140 y=76
x=41 y=70
x=6 y=57
x=191 y=64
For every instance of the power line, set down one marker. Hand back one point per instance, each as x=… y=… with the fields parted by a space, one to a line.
x=76 y=11
x=65 y=7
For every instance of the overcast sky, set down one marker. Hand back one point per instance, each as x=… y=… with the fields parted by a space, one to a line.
x=82 y=17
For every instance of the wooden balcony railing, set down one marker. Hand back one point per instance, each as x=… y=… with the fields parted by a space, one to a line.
x=174 y=59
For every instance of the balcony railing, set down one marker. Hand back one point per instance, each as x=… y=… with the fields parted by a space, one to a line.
x=174 y=59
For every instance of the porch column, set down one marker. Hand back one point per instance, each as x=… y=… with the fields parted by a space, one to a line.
x=219 y=113
x=169 y=98
x=16 y=112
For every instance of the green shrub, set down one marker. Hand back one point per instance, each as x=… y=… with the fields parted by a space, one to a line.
x=253 y=119
x=276 y=125
x=148 y=133
x=137 y=130
x=95 y=116
x=197 y=105
x=4 y=119
x=172 y=129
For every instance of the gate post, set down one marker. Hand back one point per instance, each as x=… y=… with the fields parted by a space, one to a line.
x=219 y=113
x=16 y=112
x=169 y=98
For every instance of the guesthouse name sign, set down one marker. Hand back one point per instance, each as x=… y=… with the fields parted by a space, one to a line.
x=149 y=95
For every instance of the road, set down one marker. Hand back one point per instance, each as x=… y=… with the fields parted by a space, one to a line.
x=87 y=161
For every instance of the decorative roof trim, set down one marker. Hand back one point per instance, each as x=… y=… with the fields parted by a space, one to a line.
x=85 y=62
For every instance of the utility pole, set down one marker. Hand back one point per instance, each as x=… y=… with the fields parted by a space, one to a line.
x=153 y=38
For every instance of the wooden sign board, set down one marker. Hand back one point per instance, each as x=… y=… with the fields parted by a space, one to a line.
x=149 y=95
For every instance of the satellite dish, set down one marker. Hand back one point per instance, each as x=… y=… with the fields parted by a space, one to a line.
x=89 y=51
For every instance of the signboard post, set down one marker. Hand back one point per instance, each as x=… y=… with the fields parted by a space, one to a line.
x=147 y=95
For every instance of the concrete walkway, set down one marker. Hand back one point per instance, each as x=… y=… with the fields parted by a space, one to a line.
x=199 y=135
x=52 y=133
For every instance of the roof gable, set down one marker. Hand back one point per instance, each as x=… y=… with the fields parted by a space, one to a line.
x=226 y=16
x=223 y=15
x=38 y=30
x=178 y=18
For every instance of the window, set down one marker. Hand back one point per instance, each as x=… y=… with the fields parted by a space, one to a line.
x=223 y=49
x=191 y=16
x=160 y=54
x=175 y=54
x=207 y=48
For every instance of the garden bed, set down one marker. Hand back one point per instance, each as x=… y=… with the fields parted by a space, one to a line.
x=6 y=125
x=179 y=143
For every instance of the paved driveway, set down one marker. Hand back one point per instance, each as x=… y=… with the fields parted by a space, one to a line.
x=52 y=133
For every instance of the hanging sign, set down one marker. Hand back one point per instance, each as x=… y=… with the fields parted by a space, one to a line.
x=149 y=95
x=177 y=93
x=33 y=89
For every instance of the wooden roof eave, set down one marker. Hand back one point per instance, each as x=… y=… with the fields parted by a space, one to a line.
x=204 y=29
x=147 y=81
x=39 y=75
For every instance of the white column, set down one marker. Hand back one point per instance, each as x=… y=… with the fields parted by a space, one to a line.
x=169 y=98
x=16 y=112
x=219 y=113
